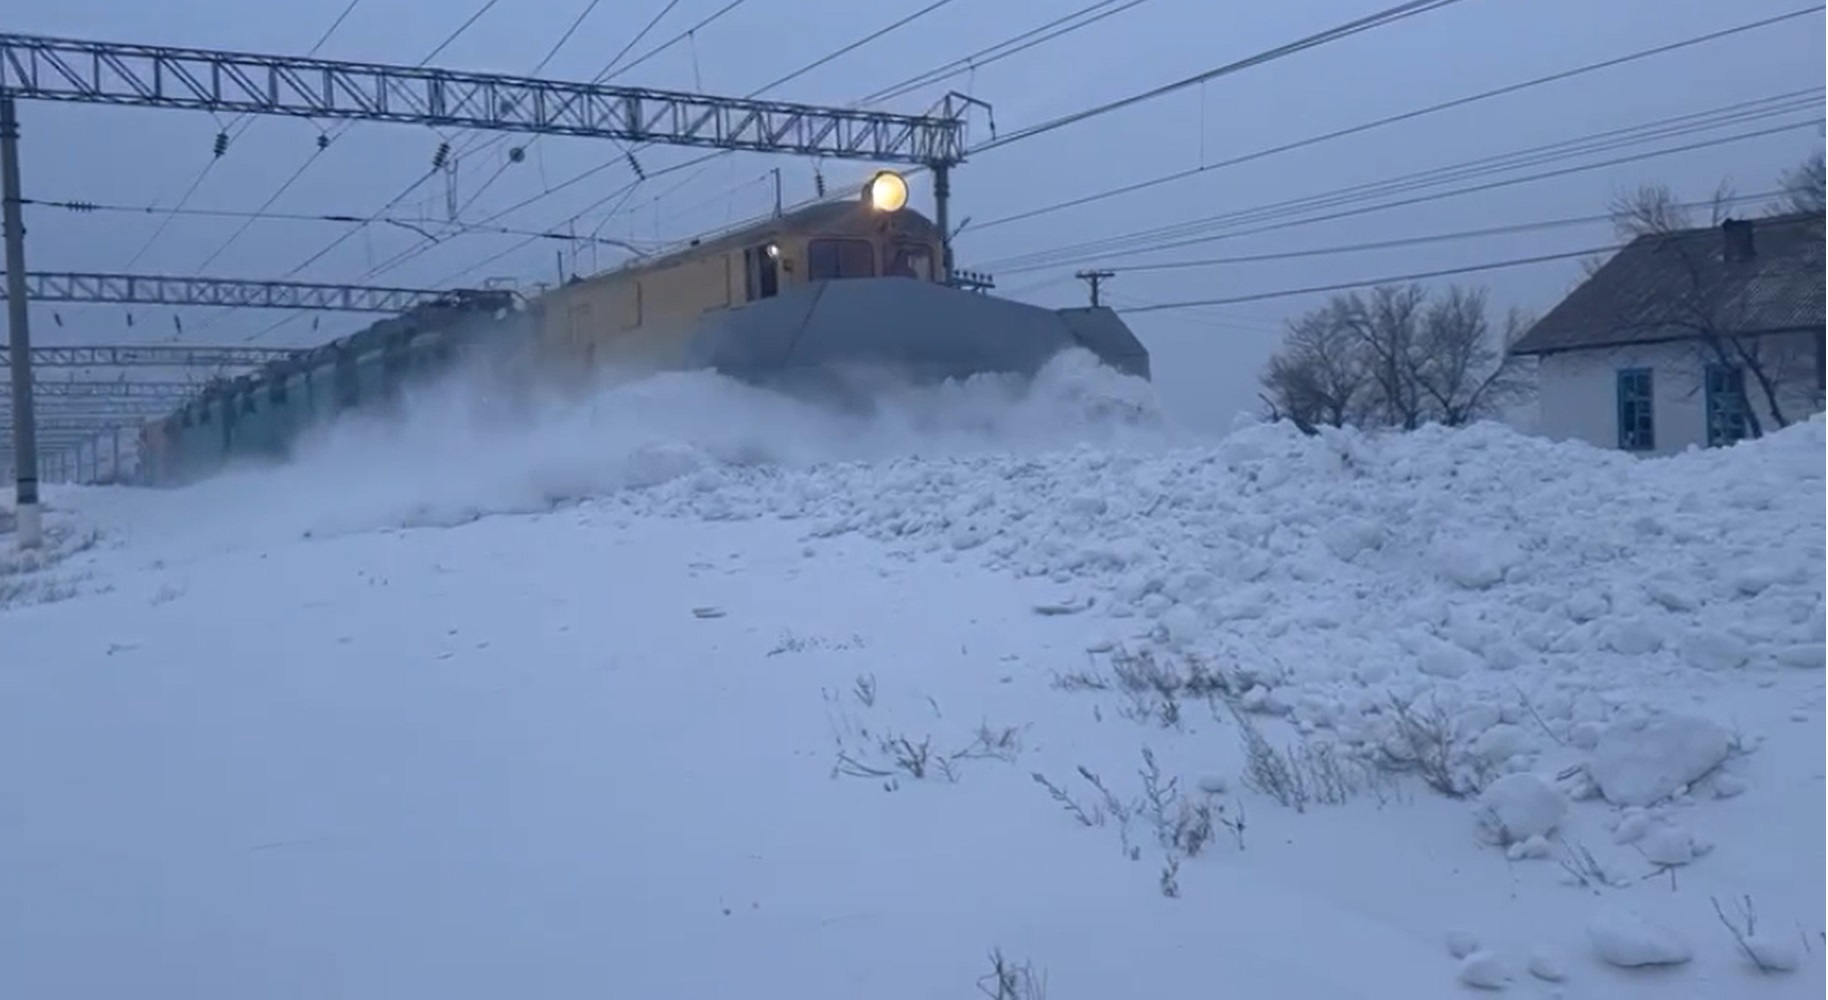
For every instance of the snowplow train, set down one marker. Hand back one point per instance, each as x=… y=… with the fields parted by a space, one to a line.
x=817 y=301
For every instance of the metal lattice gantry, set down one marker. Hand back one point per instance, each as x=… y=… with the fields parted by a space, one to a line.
x=152 y=356
x=153 y=289
x=35 y=67
x=100 y=389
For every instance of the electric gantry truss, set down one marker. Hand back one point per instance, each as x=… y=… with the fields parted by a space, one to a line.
x=152 y=289
x=152 y=356
x=61 y=69
x=98 y=389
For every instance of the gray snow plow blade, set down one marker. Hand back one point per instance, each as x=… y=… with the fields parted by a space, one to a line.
x=901 y=330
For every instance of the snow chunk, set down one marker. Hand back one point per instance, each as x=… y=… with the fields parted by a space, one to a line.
x=1669 y=844
x=1483 y=970
x=1713 y=649
x=1517 y=807
x=1447 y=660
x=1627 y=940
x=1461 y=943
x=1639 y=767
x=1349 y=536
x=1806 y=655
x=1532 y=848
x=1477 y=563
x=1544 y=965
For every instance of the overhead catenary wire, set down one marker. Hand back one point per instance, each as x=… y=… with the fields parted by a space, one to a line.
x=236 y=128
x=1188 y=233
x=449 y=40
x=1384 y=122
x=426 y=243
x=1366 y=210
x=621 y=195
x=1389 y=15
x=1512 y=229
x=1001 y=50
x=1388 y=279
x=601 y=75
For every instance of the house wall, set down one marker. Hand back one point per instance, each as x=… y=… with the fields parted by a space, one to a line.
x=1578 y=391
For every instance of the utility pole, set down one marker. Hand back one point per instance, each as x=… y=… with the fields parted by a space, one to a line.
x=27 y=527
x=1095 y=279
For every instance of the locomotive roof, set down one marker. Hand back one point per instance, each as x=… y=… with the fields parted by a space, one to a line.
x=815 y=216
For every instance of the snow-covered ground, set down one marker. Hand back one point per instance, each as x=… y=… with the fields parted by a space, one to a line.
x=702 y=693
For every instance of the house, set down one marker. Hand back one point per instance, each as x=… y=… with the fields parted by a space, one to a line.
x=1697 y=337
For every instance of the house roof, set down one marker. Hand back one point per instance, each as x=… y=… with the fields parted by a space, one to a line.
x=1674 y=286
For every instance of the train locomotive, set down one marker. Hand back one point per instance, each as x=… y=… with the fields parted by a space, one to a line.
x=819 y=300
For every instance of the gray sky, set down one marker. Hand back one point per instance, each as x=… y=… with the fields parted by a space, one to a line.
x=1206 y=358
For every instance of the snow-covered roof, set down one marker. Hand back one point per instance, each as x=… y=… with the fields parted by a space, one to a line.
x=1675 y=286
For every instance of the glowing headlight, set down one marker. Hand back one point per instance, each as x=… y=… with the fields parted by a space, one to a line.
x=886 y=192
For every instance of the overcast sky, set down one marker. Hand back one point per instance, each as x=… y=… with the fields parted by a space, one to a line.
x=1206 y=358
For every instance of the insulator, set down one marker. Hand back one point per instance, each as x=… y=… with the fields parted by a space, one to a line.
x=221 y=143
x=177 y=323
x=57 y=318
x=818 y=183
x=129 y=319
x=443 y=153
x=636 y=165
x=80 y=206
x=517 y=154
x=323 y=140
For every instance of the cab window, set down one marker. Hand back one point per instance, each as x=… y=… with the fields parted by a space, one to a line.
x=908 y=260
x=829 y=259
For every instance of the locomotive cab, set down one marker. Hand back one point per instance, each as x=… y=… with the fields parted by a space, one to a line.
x=877 y=236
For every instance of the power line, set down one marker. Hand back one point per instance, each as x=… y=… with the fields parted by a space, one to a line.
x=620 y=193
x=1369 y=282
x=489 y=143
x=623 y=193
x=859 y=43
x=1409 y=241
x=1389 y=15
x=1282 y=226
x=1397 y=118
x=1153 y=239
x=990 y=54
x=225 y=140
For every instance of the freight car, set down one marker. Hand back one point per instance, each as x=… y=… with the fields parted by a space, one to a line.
x=261 y=415
x=819 y=300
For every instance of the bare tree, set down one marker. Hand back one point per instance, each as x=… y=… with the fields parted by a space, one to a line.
x=1387 y=328
x=1462 y=371
x=1805 y=188
x=1319 y=377
x=1391 y=358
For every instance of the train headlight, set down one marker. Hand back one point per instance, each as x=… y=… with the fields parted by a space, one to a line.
x=886 y=192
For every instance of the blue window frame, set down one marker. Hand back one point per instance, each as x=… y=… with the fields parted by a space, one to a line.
x=1726 y=405
x=1637 y=418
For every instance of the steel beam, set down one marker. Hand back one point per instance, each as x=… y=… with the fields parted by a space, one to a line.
x=156 y=289
x=154 y=356
x=108 y=390
x=36 y=67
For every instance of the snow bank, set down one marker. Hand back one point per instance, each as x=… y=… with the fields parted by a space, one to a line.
x=1519 y=591
x=1522 y=591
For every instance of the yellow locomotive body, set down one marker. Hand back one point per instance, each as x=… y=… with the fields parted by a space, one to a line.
x=641 y=317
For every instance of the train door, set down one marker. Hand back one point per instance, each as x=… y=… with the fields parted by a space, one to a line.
x=762 y=265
